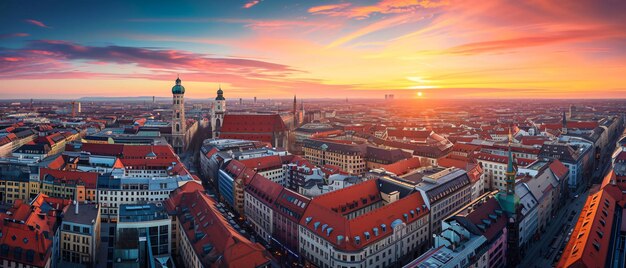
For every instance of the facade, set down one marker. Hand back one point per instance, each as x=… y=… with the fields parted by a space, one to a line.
x=494 y=167
x=289 y=208
x=148 y=220
x=259 y=197
x=574 y=156
x=349 y=157
x=80 y=234
x=178 y=117
x=364 y=226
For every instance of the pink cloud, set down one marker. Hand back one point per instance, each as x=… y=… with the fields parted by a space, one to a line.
x=37 y=23
x=251 y=3
x=381 y=7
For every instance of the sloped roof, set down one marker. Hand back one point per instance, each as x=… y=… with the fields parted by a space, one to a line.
x=214 y=241
x=252 y=123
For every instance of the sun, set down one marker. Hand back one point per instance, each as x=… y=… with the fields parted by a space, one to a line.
x=419 y=94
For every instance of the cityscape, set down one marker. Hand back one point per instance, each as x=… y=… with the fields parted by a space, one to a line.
x=349 y=134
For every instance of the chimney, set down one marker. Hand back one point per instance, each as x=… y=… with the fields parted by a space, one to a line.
x=76 y=207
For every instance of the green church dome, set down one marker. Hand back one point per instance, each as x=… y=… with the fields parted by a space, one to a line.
x=178 y=88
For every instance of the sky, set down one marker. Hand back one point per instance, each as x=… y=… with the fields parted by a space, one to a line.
x=315 y=49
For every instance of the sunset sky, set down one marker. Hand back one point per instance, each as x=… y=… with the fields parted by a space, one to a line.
x=315 y=49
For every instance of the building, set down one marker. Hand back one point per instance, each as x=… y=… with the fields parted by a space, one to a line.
x=494 y=169
x=371 y=224
x=178 y=117
x=459 y=245
x=206 y=238
x=574 y=156
x=473 y=169
x=349 y=157
x=80 y=234
x=547 y=182
x=214 y=152
x=288 y=209
x=15 y=182
x=268 y=128
x=217 y=113
x=444 y=190
x=259 y=197
x=148 y=220
x=597 y=239
x=29 y=232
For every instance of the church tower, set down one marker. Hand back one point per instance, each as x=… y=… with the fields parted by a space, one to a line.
x=218 y=111
x=510 y=204
x=178 y=117
x=564 y=127
x=295 y=113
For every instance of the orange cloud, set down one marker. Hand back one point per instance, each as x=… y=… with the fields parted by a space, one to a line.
x=382 y=7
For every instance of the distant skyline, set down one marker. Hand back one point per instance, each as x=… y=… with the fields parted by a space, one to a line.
x=315 y=49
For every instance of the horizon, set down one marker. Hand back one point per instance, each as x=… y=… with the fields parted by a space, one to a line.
x=439 y=49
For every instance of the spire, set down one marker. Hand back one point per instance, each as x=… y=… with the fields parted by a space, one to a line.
x=564 y=127
x=511 y=171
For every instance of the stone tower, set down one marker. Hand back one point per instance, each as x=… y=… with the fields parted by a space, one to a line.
x=178 y=117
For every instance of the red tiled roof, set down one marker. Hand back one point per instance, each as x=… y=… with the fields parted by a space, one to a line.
x=403 y=166
x=321 y=215
x=481 y=212
x=252 y=123
x=90 y=179
x=230 y=249
x=32 y=230
x=559 y=170
x=465 y=147
x=264 y=189
x=534 y=140
x=263 y=163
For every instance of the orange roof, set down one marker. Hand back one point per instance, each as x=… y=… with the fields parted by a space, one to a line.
x=590 y=241
x=403 y=166
x=31 y=228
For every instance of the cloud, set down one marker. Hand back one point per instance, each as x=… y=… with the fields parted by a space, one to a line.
x=11 y=35
x=381 y=7
x=149 y=57
x=374 y=27
x=251 y=3
x=535 y=40
x=37 y=23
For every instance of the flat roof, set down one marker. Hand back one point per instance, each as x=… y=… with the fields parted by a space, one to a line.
x=86 y=214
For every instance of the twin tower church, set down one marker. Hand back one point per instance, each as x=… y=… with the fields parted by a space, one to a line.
x=180 y=136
